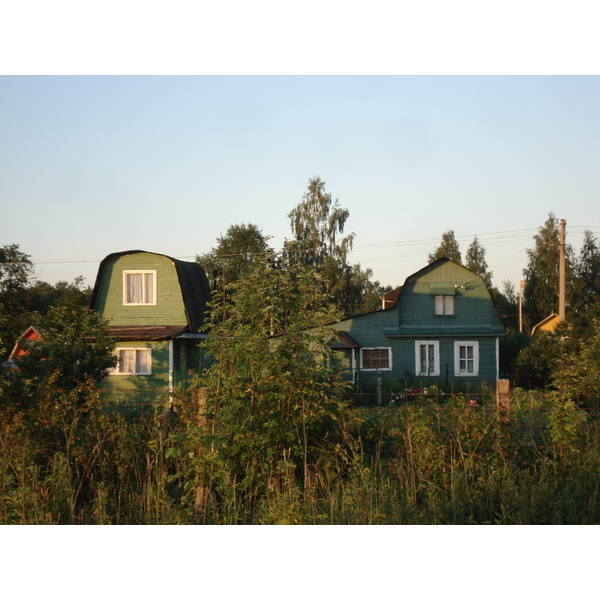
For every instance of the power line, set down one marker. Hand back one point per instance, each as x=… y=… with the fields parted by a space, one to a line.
x=493 y=237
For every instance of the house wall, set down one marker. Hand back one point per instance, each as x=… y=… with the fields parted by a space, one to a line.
x=475 y=319
x=474 y=307
x=141 y=389
x=169 y=308
x=188 y=355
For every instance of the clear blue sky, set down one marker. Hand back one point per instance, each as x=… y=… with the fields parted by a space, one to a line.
x=94 y=165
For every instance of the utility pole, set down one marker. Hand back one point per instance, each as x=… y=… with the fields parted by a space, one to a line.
x=521 y=292
x=561 y=271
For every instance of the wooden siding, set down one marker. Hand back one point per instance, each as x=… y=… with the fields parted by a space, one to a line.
x=473 y=305
x=475 y=319
x=150 y=389
x=169 y=308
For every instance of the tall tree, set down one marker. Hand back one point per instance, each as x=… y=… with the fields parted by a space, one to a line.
x=270 y=401
x=316 y=223
x=235 y=255
x=74 y=347
x=585 y=293
x=448 y=248
x=476 y=262
x=541 y=273
x=507 y=303
x=357 y=293
x=16 y=271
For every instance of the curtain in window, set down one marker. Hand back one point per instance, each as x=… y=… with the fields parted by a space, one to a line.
x=140 y=288
x=135 y=361
x=126 y=361
x=135 y=288
x=143 y=361
x=448 y=305
x=444 y=305
x=427 y=358
x=149 y=288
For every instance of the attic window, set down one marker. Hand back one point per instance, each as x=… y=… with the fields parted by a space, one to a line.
x=443 y=305
x=139 y=287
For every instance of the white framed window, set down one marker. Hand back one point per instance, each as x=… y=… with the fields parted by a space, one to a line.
x=427 y=358
x=133 y=361
x=443 y=305
x=139 y=288
x=376 y=359
x=466 y=359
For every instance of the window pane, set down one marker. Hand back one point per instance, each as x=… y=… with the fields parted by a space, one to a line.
x=143 y=361
x=126 y=361
x=467 y=357
x=448 y=305
x=134 y=288
x=375 y=358
x=439 y=305
x=149 y=288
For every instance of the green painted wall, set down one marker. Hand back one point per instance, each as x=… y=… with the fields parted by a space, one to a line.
x=169 y=309
x=476 y=320
x=141 y=389
x=472 y=302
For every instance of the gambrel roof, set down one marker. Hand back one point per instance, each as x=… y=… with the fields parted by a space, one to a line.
x=195 y=291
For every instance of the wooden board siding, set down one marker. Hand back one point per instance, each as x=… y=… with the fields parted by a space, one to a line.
x=169 y=308
x=188 y=356
x=149 y=389
x=413 y=319
x=473 y=304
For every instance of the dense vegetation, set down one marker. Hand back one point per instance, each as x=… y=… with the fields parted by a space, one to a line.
x=269 y=433
x=424 y=462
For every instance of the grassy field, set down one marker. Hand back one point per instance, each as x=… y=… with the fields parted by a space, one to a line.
x=424 y=460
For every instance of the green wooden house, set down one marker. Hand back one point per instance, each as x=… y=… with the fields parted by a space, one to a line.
x=155 y=305
x=440 y=326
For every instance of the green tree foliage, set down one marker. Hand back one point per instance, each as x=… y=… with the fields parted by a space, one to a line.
x=21 y=301
x=235 y=255
x=541 y=273
x=16 y=270
x=576 y=368
x=317 y=223
x=536 y=360
x=448 y=248
x=475 y=261
x=356 y=293
x=584 y=295
x=272 y=401
x=507 y=303
x=74 y=349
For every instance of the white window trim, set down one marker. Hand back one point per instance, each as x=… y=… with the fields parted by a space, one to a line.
x=115 y=370
x=143 y=272
x=436 y=357
x=457 y=346
x=443 y=313
x=389 y=353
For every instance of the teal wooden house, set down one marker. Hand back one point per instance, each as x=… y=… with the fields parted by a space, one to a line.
x=441 y=325
x=155 y=305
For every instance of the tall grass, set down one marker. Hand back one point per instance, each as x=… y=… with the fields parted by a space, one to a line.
x=424 y=461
